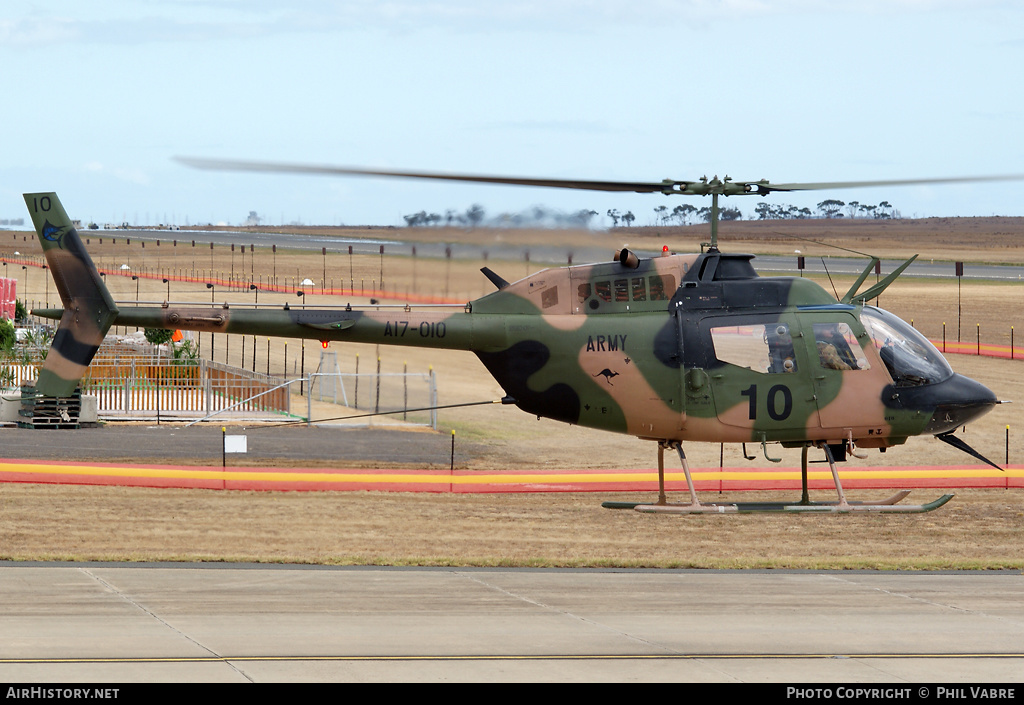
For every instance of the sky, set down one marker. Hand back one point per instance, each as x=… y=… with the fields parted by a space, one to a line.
x=99 y=96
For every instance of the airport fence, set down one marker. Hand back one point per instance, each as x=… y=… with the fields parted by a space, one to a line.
x=130 y=381
x=407 y=396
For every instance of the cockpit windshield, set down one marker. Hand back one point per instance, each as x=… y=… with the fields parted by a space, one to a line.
x=911 y=360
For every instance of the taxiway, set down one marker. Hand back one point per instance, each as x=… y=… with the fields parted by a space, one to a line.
x=126 y=623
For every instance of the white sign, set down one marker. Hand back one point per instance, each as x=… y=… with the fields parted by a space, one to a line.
x=235 y=444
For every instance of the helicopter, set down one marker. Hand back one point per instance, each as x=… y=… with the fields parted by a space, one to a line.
x=673 y=348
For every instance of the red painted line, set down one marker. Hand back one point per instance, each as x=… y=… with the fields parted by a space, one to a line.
x=985 y=349
x=465 y=481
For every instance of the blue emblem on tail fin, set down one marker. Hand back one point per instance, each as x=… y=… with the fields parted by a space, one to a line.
x=53 y=233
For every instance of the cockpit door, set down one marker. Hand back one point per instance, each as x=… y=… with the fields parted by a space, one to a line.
x=758 y=380
x=847 y=374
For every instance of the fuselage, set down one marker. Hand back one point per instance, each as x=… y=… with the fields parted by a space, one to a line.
x=682 y=347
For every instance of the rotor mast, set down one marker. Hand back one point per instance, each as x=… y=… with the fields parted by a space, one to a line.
x=714 y=222
x=713 y=187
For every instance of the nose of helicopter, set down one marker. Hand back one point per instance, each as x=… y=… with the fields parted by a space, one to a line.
x=956 y=401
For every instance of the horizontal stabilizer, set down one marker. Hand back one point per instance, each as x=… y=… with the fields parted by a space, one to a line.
x=961 y=444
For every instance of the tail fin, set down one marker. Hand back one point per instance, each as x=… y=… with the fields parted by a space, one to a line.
x=88 y=309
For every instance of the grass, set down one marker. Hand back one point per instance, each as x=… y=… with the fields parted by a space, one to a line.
x=979 y=529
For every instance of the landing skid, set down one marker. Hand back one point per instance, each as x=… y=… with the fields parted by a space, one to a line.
x=885 y=506
x=889 y=505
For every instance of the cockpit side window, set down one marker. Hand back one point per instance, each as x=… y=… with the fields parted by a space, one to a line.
x=838 y=348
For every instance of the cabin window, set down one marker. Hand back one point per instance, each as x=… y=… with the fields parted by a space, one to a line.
x=651 y=288
x=761 y=348
x=838 y=348
x=662 y=287
x=549 y=297
x=622 y=290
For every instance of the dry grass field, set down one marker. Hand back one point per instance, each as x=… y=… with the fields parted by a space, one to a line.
x=979 y=529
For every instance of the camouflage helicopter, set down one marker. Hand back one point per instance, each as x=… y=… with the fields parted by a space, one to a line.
x=676 y=348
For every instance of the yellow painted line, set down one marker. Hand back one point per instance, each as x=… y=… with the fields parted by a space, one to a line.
x=440 y=478
x=297 y=477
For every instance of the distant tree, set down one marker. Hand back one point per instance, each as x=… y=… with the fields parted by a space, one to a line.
x=852 y=207
x=614 y=215
x=831 y=208
x=475 y=215
x=582 y=218
x=729 y=213
x=157 y=336
x=416 y=219
x=662 y=212
x=683 y=213
x=628 y=218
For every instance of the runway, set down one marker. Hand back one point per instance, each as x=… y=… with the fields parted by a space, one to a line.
x=93 y=622
x=554 y=255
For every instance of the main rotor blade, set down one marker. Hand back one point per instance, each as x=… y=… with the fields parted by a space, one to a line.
x=287 y=168
x=829 y=185
x=700 y=187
